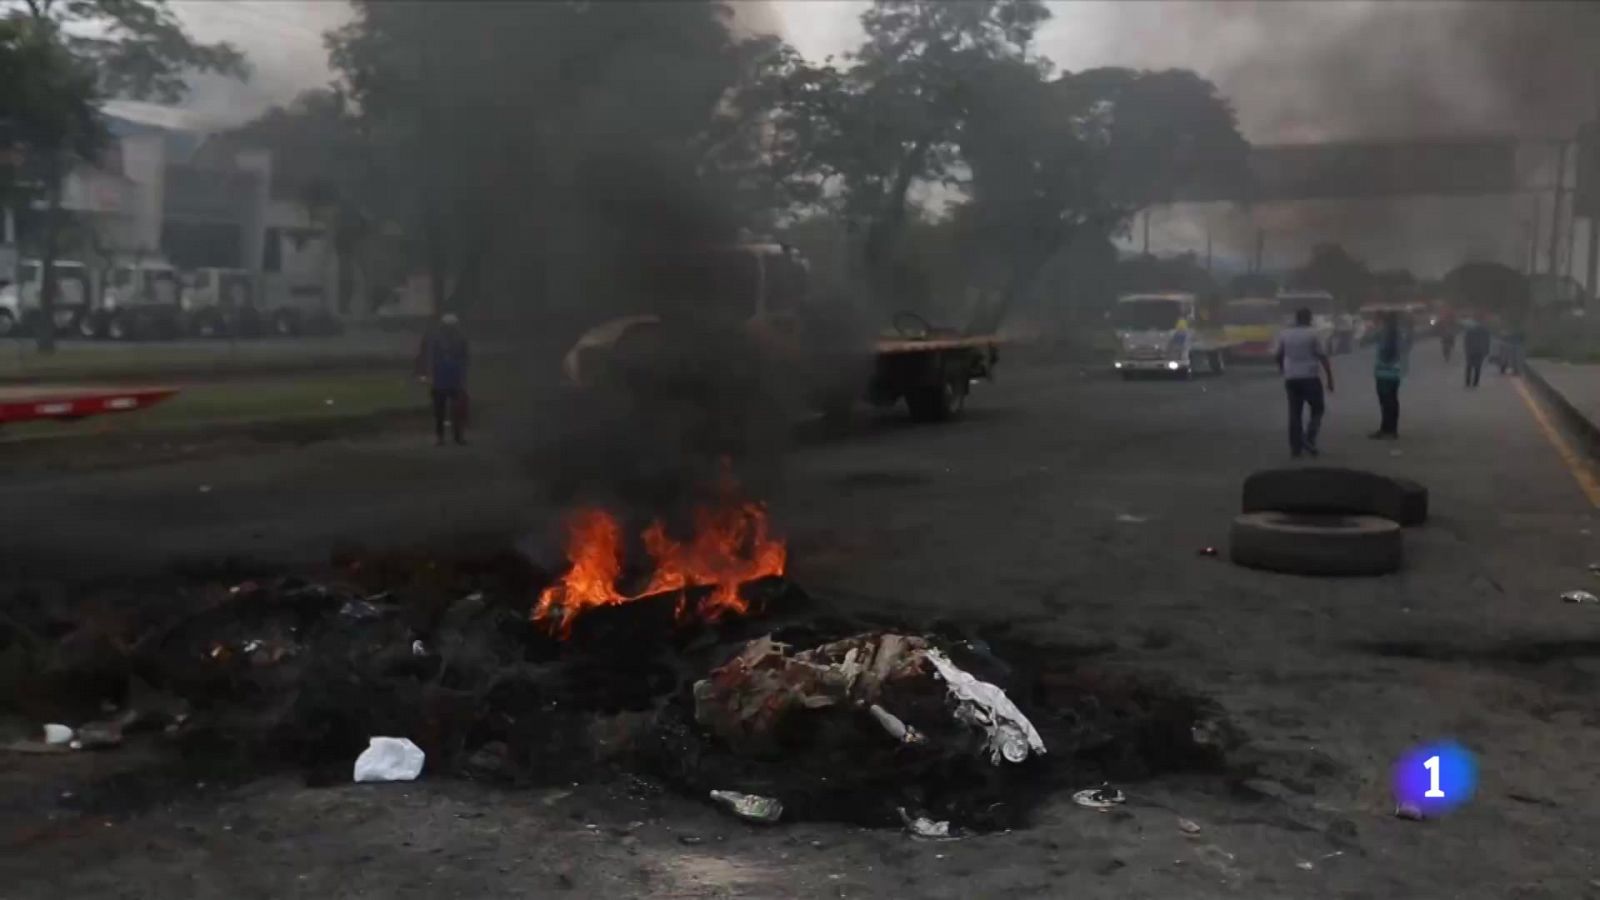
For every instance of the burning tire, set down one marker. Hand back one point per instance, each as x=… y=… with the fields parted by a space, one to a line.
x=1316 y=544
x=1334 y=491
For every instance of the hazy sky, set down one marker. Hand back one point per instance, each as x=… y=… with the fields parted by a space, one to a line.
x=1295 y=71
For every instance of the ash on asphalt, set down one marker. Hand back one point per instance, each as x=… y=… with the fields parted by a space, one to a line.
x=299 y=673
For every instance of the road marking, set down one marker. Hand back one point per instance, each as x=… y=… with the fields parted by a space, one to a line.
x=1580 y=468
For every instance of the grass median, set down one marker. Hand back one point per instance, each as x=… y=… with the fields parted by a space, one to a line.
x=201 y=408
x=78 y=361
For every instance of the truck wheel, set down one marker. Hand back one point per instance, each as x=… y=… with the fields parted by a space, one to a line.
x=89 y=326
x=248 y=323
x=8 y=323
x=1336 y=491
x=936 y=403
x=1306 y=544
x=119 y=327
x=1219 y=362
x=207 y=324
x=67 y=322
x=286 y=324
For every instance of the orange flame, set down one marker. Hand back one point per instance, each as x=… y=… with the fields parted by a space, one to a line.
x=594 y=547
x=731 y=544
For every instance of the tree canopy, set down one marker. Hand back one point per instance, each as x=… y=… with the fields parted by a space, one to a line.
x=531 y=148
x=1333 y=269
x=1488 y=288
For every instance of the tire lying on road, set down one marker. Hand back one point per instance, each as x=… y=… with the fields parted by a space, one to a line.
x=1335 y=491
x=1316 y=544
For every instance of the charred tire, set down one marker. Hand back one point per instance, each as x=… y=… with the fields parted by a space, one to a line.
x=8 y=323
x=1335 y=491
x=1308 y=544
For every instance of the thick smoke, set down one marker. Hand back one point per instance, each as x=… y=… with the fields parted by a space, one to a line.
x=1329 y=71
x=1359 y=70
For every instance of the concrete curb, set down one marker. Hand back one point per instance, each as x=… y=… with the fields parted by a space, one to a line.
x=1573 y=418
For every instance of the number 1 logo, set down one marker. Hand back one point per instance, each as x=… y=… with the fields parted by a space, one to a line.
x=1432 y=765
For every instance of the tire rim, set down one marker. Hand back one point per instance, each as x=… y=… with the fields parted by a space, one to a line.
x=116 y=329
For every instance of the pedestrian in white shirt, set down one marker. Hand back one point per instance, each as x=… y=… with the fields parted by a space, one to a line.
x=1300 y=356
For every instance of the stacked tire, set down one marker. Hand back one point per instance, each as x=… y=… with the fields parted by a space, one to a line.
x=1325 y=521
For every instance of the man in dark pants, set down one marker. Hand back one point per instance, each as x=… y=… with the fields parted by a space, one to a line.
x=1300 y=355
x=442 y=362
x=1389 y=367
x=1475 y=344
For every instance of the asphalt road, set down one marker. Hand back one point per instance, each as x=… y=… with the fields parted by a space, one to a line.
x=1067 y=503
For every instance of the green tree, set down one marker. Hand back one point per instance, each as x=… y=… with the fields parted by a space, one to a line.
x=1075 y=158
x=891 y=116
x=1488 y=288
x=1252 y=285
x=542 y=143
x=1332 y=269
x=73 y=53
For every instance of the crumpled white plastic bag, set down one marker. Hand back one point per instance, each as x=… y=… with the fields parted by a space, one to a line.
x=985 y=706
x=389 y=759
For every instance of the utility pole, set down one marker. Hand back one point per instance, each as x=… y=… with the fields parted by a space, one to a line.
x=1555 y=208
x=1572 y=246
x=1588 y=176
x=1533 y=236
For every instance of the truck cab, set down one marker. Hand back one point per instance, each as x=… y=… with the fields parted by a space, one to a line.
x=1164 y=333
x=19 y=301
x=219 y=302
x=140 y=299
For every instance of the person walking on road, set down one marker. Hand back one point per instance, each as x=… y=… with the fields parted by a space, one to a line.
x=1511 y=349
x=1300 y=356
x=442 y=363
x=1388 y=369
x=1475 y=344
x=1447 y=334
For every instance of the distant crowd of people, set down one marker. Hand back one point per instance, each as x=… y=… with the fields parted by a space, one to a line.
x=1303 y=359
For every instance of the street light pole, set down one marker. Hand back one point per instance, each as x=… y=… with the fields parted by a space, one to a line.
x=1555 y=207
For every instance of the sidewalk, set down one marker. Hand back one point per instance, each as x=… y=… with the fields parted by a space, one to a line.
x=1573 y=391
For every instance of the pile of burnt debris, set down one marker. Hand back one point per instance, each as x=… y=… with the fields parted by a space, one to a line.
x=791 y=711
